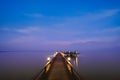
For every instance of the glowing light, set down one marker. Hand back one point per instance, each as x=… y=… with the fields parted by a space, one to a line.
x=48 y=59
x=69 y=58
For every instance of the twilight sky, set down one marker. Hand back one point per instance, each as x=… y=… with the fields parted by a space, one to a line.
x=59 y=25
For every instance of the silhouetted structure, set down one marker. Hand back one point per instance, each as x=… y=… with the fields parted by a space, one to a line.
x=58 y=68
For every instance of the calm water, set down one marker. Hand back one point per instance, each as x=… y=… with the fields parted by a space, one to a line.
x=93 y=65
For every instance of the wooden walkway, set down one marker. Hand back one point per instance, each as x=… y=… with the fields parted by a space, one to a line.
x=58 y=69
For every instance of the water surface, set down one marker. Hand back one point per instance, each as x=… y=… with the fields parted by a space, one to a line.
x=92 y=65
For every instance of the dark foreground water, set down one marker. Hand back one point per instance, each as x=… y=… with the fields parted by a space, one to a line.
x=93 y=65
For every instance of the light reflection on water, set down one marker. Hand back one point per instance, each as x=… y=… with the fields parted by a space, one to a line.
x=91 y=65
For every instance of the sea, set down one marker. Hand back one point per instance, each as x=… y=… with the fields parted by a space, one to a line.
x=92 y=64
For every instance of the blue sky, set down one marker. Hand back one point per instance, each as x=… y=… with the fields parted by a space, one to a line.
x=59 y=25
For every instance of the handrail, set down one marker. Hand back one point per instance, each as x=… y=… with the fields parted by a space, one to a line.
x=44 y=70
x=73 y=71
x=47 y=67
x=41 y=72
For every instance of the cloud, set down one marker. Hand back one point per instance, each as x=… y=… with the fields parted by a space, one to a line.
x=5 y=29
x=28 y=30
x=102 y=14
x=88 y=40
x=73 y=32
x=116 y=29
x=87 y=21
x=35 y=15
x=52 y=41
x=99 y=14
x=95 y=43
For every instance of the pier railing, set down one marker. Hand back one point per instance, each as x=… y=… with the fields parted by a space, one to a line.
x=45 y=69
x=73 y=72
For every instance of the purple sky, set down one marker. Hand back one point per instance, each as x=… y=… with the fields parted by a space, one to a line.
x=38 y=25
